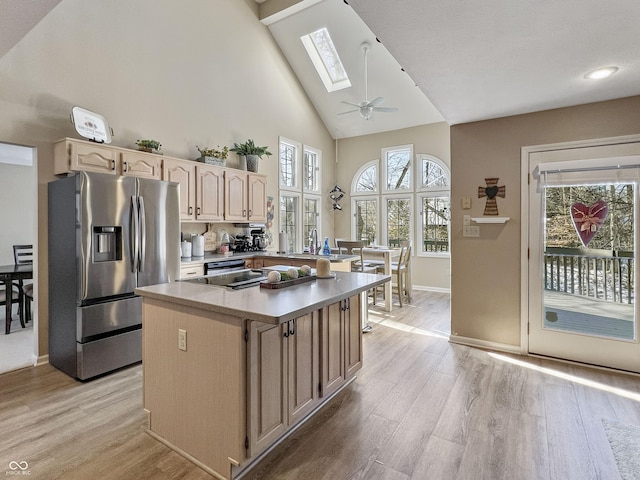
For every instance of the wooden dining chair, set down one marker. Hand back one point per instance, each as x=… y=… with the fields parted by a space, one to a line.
x=350 y=247
x=23 y=254
x=400 y=270
x=15 y=298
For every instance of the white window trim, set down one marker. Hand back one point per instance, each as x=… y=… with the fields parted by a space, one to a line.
x=356 y=176
x=309 y=196
x=298 y=217
x=297 y=164
x=368 y=198
x=382 y=176
x=418 y=221
x=384 y=234
x=318 y=153
x=420 y=157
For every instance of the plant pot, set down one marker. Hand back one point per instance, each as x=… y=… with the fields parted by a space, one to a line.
x=243 y=163
x=146 y=149
x=252 y=163
x=221 y=162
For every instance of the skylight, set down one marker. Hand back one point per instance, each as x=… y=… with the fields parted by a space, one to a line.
x=325 y=58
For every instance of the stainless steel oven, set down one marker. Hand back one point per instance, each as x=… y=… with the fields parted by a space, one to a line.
x=223 y=266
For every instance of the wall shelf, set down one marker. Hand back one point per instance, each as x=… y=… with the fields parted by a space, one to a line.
x=491 y=219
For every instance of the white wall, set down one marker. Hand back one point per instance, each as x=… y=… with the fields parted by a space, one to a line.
x=18 y=212
x=202 y=72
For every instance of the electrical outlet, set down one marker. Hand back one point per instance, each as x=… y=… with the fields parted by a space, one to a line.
x=465 y=203
x=471 y=231
x=466 y=220
x=182 y=339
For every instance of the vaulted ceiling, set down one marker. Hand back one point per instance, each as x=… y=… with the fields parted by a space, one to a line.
x=453 y=61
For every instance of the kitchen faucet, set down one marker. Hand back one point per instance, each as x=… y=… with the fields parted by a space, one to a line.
x=313 y=241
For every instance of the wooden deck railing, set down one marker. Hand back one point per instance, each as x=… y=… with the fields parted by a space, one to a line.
x=602 y=274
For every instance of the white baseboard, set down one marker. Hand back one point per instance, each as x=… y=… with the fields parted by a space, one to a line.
x=424 y=288
x=487 y=345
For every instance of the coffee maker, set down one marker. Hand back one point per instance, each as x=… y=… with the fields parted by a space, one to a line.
x=259 y=239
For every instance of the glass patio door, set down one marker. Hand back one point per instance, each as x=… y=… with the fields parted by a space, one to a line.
x=583 y=239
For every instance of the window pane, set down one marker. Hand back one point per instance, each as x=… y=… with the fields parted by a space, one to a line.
x=310 y=171
x=366 y=215
x=329 y=55
x=435 y=224
x=433 y=175
x=310 y=216
x=368 y=180
x=288 y=215
x=398 y=167
x=398 y=221
x=287 y=165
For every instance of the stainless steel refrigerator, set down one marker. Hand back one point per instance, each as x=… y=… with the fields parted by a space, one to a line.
x=108 y=234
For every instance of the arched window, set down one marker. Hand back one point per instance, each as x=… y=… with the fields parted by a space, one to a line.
x=435 y=207
x=364 y=203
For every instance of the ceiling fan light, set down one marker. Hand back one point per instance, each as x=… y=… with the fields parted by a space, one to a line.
x=366 y=112
x=601 y=73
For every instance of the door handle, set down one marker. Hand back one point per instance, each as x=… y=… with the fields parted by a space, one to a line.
x=143 y=235
x=133 y=234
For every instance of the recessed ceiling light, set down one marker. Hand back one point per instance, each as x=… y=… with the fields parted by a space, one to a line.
x=601 y=73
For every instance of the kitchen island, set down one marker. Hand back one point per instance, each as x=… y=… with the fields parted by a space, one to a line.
x=229 y=373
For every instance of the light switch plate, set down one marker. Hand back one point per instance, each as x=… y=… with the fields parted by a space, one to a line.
x=182 y=339
x=471 y=231
x=465 y=203
x=466 y=220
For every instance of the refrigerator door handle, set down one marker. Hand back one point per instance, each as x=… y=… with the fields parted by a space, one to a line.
x=133 y=234
x=143 y=235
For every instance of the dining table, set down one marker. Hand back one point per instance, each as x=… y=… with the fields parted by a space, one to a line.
x=9 y=274
x=384 y=256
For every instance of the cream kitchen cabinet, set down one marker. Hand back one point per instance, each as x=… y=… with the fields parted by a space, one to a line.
x=201 y=189
x=72 y=155
x=191 y=270
x=184 y=173
x=245 y=196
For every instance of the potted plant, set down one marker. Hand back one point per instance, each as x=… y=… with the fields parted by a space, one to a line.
x=149 y=146
x=213 y=156
x=252 y=152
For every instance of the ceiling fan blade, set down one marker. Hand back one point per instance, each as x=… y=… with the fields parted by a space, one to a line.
x=349 y=111
x=376 y=101
x=352 y=104
x=385 y=109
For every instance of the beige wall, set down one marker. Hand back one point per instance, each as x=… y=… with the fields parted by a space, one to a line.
x=354 y=152
x=209 y=74
x=485 y=280
x=18 y=214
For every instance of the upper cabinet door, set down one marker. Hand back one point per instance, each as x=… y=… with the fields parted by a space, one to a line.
x=235 y=197
x=209 y=193
x=257 y=198
x=90 y=158
x=141 y=165
x=182 y=172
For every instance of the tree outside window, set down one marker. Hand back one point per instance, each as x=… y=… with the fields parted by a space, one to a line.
x=366 y=220
x=398 y=220
x=288 y=216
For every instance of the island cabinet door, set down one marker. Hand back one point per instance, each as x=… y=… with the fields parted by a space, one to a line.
x=303 y=372
x=267 y=385
x=332 y=370
x=353 y=335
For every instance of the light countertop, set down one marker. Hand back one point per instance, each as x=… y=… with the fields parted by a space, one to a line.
x=273 y=306
x=210 y=257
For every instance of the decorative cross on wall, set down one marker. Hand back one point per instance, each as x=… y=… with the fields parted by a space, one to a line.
x=491 y=191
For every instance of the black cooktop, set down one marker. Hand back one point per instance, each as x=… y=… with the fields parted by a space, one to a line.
x=235 y=280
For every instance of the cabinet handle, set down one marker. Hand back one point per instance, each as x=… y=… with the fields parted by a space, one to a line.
x=286 y=331
x=190 y=210
x=198 y=211
x=126 y=167
x=250 y=213
x=244 y=213
x=292 y=322
x=113 y=165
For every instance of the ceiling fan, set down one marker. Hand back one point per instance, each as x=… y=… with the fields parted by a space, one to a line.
x=366 y=107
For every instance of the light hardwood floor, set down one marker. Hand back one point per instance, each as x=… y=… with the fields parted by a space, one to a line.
x=421 y=408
